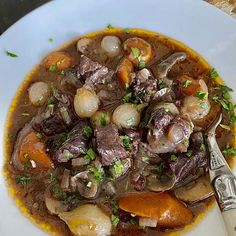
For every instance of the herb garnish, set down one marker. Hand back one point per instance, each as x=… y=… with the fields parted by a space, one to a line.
x=229 y=151
x=91 y=155
x=138 y=54
x=130 y=98
x=10 y=54
x=98 y=174
x=23 y=180
x=129 y=122
x=102 y=119
x=88 y=131
x=109 y=26
x=118 y=167
x=145 y=159
x=126 y=142
x=115 y=220
x=189 y=153
x=203 y=147
x=225 y=126
x=159 y=168
x=52 y=68
x=201 y=95
x=203 y=105
x=50 y=40
x=214 y=73
x=173 y=157
x=186 y=83
x=133 y=221
x=52 y=177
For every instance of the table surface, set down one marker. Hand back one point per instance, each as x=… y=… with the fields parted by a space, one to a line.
x=9 y=13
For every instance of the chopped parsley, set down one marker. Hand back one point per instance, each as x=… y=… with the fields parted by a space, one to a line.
x=10 y=54
x=229 y=151
x=133 y=221
x=115 y=208
x=189 y=153
x=98 y=174
x=145 y=158
x=173 y=157
x=186 y=83
x=102 y=119
x=214 y=74
x=130 y=98
x=130 y=121
x=50 y=40
x=52 y=177
x=126 y=142
x=88 y=131
x=23 y=180
x=225 y=126
x=203 y=147
x=137 y=54
x=159 y=168
x=67 y=154
x=118 y=167
x=39 y=135
x=201 y=95
x=110 y=26
x=91 y=155
x=203 y=105
x=161 y=83
x=115 y=220
x=52 y=68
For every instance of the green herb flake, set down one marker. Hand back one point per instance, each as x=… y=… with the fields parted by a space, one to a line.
x=127 y=97
x=91 y=155
x=98 y=174
x=115 y=220
x=102 y=119
x=126 y=142
x=189 y=153
x=214 y=74
x=203 y=147
x=88 y=131
x=50 y=40
x=130 y=121
x=10 y=54
x=141 y=64
x=109 y=26
x=159 y=168
x=118 y=167
x=201 y=95
x=23 y=180
x=67 y=154
x=186 y=83
x=52 y=177
x=115 y=208
x=229 y=151
x=173 y=157
x=204 y=105
x=135 y=52
x=39 y=135
x=52 y=68
x=133 y=221
x=58 y=193
x=225 y=126
x=145 y=158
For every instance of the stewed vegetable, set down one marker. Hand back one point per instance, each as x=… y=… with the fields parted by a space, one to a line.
x=107 y=136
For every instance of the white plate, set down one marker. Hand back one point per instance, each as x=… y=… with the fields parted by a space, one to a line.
x=202 y=27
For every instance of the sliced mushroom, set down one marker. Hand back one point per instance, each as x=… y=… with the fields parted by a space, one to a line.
x=77 y=162
x=165 y=66
x=53 y=205
x=85 y=184
x=65 y=182
x=161 y=183
x=195 y=191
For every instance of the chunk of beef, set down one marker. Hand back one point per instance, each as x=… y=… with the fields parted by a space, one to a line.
x=144 y=85
x=93 y=73
x=75 y=144
x=190 y=162
x=168 y=132
x=57 y=116
x=109 y=145
x=159 y=121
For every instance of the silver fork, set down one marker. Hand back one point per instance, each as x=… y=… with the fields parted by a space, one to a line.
x=223 y=180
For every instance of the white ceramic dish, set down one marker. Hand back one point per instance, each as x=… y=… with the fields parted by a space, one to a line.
x=202 y=27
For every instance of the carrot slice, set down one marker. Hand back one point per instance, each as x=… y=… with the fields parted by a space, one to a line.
x=33 y=149
x=168 y=211
x=124 y=70
x=58 y=61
